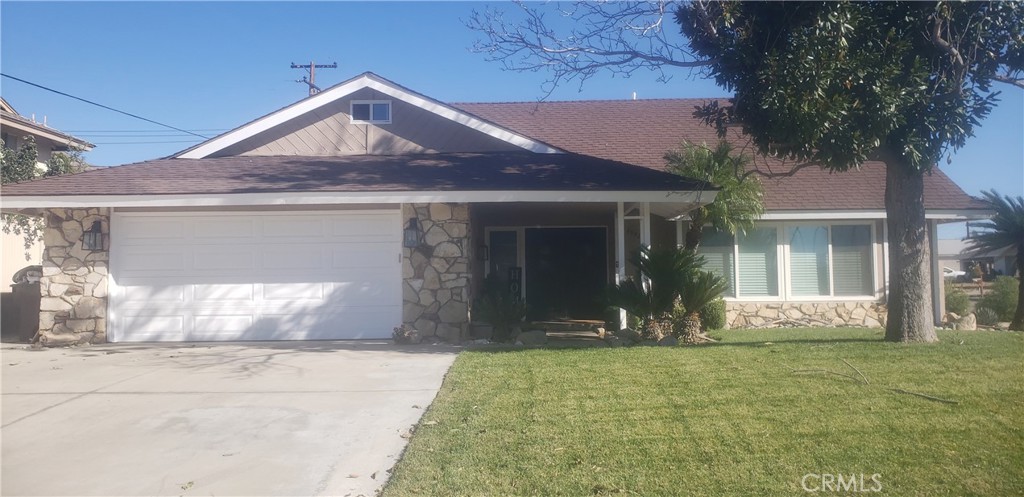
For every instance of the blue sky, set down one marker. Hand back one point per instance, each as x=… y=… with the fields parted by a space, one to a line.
x=212 y=66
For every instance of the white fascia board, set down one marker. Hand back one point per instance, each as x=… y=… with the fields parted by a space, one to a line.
x=464 y=119
x=338 y=92
x=313 y=198
x=948 y=215
x=952 y=215
x=812 y=215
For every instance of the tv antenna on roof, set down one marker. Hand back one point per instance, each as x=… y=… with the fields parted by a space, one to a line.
x=311 y=79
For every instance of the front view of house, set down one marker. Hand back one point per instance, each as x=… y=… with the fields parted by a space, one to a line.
x=369 y=205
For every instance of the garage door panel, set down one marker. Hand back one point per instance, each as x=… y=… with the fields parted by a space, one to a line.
x=364 y=227
x=163 y=294
x=293 y=257
x=260 y=276
x=226 y=227
x=364 y=255
x=148 y=327
x=221 y=325
x=152 y=260
x=223 y=259
x=136 y=230
x=293 y=291
x=223 y=292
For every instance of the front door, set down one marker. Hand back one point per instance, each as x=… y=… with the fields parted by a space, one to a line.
x=567 y=273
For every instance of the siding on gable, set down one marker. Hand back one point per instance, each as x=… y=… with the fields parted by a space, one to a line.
x=327 y=131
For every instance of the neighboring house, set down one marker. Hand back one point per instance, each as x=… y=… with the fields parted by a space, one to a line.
x=369 y=205
x=958 y=255
x=14 y=130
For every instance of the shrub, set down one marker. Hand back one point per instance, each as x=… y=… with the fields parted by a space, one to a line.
x=712 y=315
x=498 y=307
x=1002 y=297
x=986 y=316
x=957 y=300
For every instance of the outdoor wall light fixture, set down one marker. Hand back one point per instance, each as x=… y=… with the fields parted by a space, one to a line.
x=411 y=234
x=93 y=238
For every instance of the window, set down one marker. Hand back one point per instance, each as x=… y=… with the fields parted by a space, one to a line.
x=851 y=251
x=371 y=112
x=717 y=249
x=808 y=261
x=795 y=261
x=758 y=271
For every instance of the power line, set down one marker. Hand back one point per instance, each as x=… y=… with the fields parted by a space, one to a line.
x=135 y=130
x=143 y=143
x=101 y=105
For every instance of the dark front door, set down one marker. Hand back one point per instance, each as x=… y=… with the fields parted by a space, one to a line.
x=566 y=273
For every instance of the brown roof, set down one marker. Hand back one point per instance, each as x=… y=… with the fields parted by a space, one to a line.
x=641 y=131
x=360 y=173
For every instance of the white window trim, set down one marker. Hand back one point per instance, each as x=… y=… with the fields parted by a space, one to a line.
x=351 y=114
x=783 y=255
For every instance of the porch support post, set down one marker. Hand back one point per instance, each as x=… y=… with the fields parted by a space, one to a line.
x=645 y=224
x=938 y=301
x=885 y=259
x=679 y=233
x=620 y=252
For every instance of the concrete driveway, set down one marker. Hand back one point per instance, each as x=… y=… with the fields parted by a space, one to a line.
x=294 y=418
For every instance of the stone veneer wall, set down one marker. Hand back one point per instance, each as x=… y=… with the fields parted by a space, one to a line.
x=778 y=315
x=436 y=275
x=73 y=288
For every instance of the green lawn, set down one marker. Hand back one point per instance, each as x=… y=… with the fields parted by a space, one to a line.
x=727 y=419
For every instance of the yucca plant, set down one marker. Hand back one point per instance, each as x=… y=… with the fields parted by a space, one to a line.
x=1005 y=229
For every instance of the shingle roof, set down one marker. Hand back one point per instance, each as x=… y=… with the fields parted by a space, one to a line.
x=641 y=131
x=360 y=173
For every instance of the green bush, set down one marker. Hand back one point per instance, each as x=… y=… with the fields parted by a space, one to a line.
x=1002 y=297
x=957 y=300
x=712 y=315
x=986 y=316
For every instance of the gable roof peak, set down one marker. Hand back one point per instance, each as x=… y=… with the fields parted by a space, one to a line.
x=365 y=80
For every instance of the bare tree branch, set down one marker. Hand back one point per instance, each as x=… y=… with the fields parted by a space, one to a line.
x=1010 y=80
x=588 y=38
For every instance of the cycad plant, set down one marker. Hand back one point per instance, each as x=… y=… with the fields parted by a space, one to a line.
x=667 y=276
x=699 y=290
x=1005 y=230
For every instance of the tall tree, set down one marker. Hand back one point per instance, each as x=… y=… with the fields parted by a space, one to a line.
x=841 y=83
x=1005 y=230
x=738 y=203
x=833 y=84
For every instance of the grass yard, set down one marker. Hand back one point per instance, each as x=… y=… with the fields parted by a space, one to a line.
x=727 y=419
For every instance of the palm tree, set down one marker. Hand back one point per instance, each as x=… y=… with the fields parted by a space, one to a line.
x=1005 y=230
x=738 y=203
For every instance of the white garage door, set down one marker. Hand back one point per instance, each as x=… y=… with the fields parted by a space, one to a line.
x=255 y=276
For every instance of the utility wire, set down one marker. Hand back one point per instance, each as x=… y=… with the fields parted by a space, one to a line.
x=143 y=143
x=101 y=105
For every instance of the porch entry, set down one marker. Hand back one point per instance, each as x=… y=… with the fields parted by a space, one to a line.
x=561 y=272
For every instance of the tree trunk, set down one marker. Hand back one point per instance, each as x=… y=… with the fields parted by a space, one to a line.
x=691 y=328
x=910 y=316
x=695 y=231
x=1018 y=316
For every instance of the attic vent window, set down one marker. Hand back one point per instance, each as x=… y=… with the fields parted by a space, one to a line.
x=371 y=112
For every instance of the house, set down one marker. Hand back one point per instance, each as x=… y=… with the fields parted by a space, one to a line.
x=368 y=205
x=15 y=130
x=959 y=255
